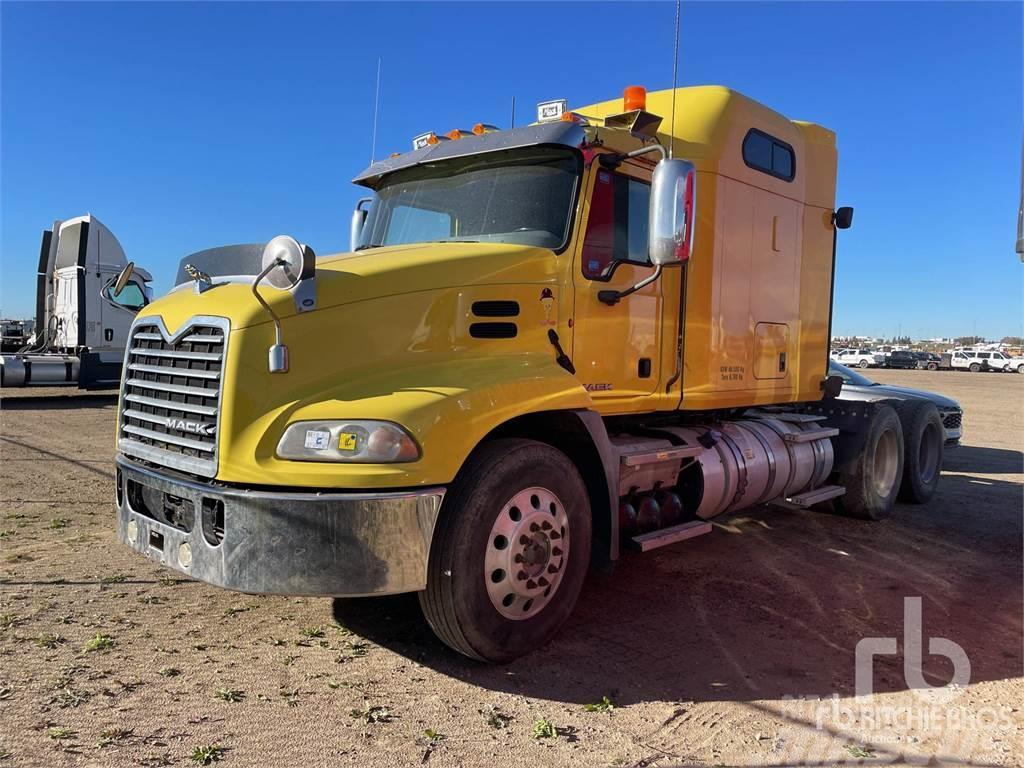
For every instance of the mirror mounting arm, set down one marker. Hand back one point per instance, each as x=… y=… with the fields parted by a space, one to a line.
x=611 y=162
x=612 y=297
x=279 y=352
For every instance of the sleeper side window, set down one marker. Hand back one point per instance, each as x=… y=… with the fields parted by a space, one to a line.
x=616 y=225
x=769 y=155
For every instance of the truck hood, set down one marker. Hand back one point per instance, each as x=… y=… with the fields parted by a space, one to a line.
x=392 y=270
x=376 y=273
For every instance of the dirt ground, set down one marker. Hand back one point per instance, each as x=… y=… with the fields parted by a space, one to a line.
x=736 y=648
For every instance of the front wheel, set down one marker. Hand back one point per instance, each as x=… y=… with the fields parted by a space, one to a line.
x=1020 y=368
x=975 y=367
x=510 y=551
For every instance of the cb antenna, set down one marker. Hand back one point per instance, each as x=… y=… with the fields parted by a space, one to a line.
x=376 y=106
x=675 y=80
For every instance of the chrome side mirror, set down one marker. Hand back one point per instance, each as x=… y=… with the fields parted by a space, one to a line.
x=670 y=221
x=286 y=265
x=358 y=220
x=673 y=211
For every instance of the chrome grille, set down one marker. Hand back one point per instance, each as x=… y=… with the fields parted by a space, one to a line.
x=170 y=403
x=952 y=419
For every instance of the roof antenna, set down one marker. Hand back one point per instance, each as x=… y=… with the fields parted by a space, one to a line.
x=513 y=123
x=376 y=104
x=675 y=79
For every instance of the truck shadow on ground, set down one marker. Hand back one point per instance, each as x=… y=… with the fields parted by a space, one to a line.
x=771 y=604
x=992 y=461
x=59 y=402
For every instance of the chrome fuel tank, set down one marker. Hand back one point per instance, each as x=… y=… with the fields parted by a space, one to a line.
x=753 y=461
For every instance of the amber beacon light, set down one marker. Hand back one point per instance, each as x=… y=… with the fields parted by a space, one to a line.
x=634 y=97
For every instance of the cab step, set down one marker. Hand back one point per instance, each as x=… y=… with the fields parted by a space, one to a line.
x=810 y=435
x=810 y=498
x=640 y=458
x=645 y=542
x=792 y=418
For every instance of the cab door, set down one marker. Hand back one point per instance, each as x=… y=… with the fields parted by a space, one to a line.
x=616 y=347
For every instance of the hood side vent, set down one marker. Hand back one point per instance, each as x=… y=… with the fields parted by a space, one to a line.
x=496 y=309
x=493 y=330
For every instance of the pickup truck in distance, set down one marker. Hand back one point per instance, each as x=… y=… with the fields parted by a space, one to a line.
x=858 y=358
x=900 y=359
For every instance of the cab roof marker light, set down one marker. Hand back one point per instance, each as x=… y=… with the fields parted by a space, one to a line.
x=549 y=111
x=481 y=128
x=457 y=133
x=427 y=139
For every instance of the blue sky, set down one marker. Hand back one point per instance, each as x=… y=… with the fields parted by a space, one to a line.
x=184 y=126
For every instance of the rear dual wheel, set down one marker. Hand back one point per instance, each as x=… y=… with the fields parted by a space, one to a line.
x=872 y=480
x=924 y=439
x=510 y=551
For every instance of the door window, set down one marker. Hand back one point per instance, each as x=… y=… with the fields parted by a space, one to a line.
x=131 y=297
x=617 y=224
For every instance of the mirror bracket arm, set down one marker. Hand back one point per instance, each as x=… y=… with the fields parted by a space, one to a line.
x=611 y=162
x=612 y=297
x=278 y=352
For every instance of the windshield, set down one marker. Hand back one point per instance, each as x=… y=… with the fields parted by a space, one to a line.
x=848 y=376
x=519 y=196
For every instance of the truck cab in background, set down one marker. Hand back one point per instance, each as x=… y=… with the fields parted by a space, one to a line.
x=82 y=323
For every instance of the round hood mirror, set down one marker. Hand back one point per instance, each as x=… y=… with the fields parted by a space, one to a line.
x=295 y=262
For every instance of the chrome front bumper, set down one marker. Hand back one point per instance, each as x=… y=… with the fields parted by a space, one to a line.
x=331 y=544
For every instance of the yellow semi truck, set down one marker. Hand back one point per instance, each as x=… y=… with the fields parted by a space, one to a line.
x=547 y=343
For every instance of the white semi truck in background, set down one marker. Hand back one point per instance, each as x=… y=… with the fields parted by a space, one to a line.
x=82 y=321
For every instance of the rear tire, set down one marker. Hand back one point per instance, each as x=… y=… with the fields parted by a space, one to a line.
x=933 y=367
x=923 y=440
x=863 y=364
x=510 y=551
x=873 y=481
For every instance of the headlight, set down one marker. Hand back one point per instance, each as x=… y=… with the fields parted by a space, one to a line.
x=365 y=441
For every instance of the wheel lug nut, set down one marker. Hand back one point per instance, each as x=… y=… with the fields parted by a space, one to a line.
x=531 y=584
x=546 y=525
x=552 y=569
x=534 y=527
x=554 y=535
x=542 y=581
x=524 y=539
x=521 y=575
x=556 y=552
x=518 y=558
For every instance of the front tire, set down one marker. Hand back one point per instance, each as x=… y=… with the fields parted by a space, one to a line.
x=510 y=551
x=923 y=440
x=975 y=368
